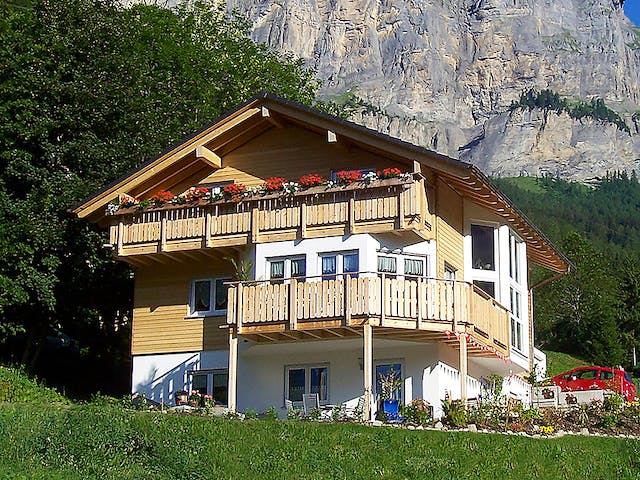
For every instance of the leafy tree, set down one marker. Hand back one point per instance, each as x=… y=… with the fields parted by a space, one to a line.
x=88 y=90
x=579 y=310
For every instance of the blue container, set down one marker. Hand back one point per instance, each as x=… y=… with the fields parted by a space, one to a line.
x=391 y=409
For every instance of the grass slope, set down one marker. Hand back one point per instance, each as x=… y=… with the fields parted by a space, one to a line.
x=558 y=362
x=107 y=442
x=15 y=386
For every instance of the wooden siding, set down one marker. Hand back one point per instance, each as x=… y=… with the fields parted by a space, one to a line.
x=449 y=230
x=161 y=306
x=290 y=152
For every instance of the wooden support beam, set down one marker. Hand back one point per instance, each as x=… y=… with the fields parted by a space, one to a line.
x=163 y=232
x=463 y=367
x=208 y=156
x=120 y=237
x=347 y=300
x=368 y=372
x=239 y=312
x=332 y=332
x=303 y=220
x=233 y=371
x=255 y=224
x=266 y=113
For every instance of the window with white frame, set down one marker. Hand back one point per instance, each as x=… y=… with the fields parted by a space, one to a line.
x=208 y=296
x=309 y=379
x=211 y=382
x=387 y=264
x=484 y=253
x=287 y=267
x=402 y=264
x=336 y=263
x=517 y=287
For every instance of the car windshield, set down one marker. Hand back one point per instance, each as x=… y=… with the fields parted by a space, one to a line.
x=626 y=375
x=586 y=374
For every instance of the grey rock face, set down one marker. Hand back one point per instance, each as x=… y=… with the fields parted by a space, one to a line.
x=445 y=72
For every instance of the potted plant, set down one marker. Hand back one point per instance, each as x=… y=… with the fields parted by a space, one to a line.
x=390 y=383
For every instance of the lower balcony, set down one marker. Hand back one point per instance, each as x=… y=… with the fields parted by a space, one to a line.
x=408 y=308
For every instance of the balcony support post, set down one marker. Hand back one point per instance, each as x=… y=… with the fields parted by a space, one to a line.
x=400 y=208
x=303 y=219
x=120 y=236
x=255 y=224
x=233 y=370
x=207 y=229
x=383 y=294
x=347 y=300
x=463 y=367
x=163 y=231
x=352 y=215
x=367 y=409
x=420 y=295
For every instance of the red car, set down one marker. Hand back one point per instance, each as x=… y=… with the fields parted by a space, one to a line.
x=597 y=378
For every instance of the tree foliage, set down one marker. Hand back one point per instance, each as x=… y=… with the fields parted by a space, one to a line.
x=88 y=90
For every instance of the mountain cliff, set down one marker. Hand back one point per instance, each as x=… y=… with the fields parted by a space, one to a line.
x=448 y=74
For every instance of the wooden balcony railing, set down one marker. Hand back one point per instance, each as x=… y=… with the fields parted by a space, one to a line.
x=385 y=205
x=416 y=303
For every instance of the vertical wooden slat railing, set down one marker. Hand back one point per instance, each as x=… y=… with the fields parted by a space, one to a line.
x=416 y=299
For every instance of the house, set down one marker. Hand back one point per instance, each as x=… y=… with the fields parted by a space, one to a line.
x=257 y=295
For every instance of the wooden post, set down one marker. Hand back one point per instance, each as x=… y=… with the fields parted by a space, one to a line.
x=293 y=304
x=120 y=236
x=303 y=220
x=239 y=309
x=347 y=300
x=401 y=209
x=352 y=215
x=163 y=231
x=368 y=372
x=207 y=229
x=255 y=224
x=233 y=371
x=420 y=294
x=463 y=367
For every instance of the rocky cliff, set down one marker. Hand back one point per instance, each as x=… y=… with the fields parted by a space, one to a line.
x=443 y=73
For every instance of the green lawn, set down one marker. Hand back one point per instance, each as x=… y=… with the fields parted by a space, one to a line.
x=558 y=362
x=108 y=442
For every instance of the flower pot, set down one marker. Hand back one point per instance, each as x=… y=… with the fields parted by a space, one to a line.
x=391 y=409
x=181 y=399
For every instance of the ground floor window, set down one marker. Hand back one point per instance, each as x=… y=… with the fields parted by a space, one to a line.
x=211 y=382
x=307 y=379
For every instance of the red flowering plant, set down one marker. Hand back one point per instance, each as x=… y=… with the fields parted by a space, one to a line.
x=160 y=198
x=195 y=194
x=310 y=180
x=234 y=189
x=391 y=172
x=347 y=177
x=274 y=184
x=127 y=201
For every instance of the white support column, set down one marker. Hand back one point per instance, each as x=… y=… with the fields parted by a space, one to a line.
x=463 y=367
x=233 y=370
x=368 y=372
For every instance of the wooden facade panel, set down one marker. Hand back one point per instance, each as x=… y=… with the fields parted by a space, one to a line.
x=161 y=305
x=449 y=230
x=290 y=152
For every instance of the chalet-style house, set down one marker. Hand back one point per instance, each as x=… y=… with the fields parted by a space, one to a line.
x=281 y=251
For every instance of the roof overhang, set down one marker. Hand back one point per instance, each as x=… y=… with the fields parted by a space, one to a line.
x=200 y=153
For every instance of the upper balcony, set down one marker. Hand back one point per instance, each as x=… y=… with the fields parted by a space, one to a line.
x=392 y=205
x=409 y=308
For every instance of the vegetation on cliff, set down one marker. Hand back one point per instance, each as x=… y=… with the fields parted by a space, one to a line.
x=549 y=100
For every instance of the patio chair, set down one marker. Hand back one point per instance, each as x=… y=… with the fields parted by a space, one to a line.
x=311 y=402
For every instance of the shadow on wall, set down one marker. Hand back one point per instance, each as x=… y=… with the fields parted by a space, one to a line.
x=162 y=388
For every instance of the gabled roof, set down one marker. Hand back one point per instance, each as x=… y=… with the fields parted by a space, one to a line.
x=199 y=154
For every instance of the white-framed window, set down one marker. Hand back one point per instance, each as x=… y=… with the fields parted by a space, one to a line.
x=402 y=264
x=517 y=289
x=336 y=263
x=484 y=257
x=515 y=257
x=287 y=267
x=517 y=327
x=301 y=379
x=212 y=382
x=208 y=296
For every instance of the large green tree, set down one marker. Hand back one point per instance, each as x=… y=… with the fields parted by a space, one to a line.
x=88 y=90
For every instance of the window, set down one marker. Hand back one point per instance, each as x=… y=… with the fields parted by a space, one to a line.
x=332 y=264
x=208 y=296
x=307 y=379
x=387 y=264
x=414 y=266
x=606 y=375
x=333 y=176
x=449 y=272
x=483 y=247
x=211 y=382
x=486 y=286
x=287 y=267
x=517 y=328
x=515 y=249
